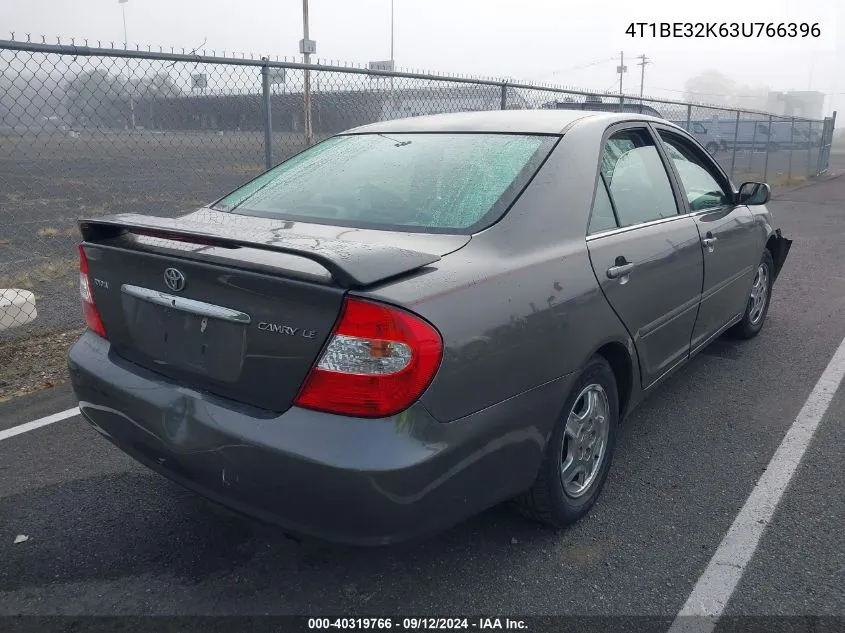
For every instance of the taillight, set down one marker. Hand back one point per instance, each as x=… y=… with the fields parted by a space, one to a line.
x=89 y=308
x=378 y=361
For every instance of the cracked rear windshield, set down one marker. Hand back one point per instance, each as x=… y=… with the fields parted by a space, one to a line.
x=411 y=182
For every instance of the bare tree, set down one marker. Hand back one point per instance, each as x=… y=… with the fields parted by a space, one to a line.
x=752 y=97
x=95 y=97
x=160 y=84
x=711 y=86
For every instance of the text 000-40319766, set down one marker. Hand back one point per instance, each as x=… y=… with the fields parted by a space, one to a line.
x=416 y=623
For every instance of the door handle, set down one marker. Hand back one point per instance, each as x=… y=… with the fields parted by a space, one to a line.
x=620 y=270
x=709 y=243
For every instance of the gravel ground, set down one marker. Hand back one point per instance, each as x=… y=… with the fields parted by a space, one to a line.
x=34 y=363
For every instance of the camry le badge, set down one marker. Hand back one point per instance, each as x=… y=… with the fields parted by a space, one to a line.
x=174 y=279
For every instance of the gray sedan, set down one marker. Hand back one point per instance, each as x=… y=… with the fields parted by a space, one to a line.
x=418 y=319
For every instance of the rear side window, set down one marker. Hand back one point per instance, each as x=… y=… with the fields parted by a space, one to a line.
x=603 y=217
x=428 y=182
x=638 y=183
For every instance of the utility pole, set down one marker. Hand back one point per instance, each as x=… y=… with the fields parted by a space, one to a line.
x=307 y=47
x=621 y=69
x=644 y=61
x=392 y=60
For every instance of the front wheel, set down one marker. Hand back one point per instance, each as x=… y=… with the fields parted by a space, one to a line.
x=712 y=148
x=757 y=306
x=579 y=452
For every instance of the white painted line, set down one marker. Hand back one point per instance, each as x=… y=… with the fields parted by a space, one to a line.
x=37 y=424
x=714 y=588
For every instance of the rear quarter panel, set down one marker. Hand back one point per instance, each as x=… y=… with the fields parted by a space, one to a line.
x=519 y=306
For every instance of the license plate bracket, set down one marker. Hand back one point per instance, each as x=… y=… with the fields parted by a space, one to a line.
x=210 y=347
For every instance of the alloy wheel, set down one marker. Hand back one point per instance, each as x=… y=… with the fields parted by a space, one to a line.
x=759 y=293
x=585 y=440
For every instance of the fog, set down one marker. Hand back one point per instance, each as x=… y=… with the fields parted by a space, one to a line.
x=563 y=43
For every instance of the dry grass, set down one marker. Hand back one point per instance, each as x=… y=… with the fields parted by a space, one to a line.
x=97 y=209
x=32 y=277
x=34 y=363
x=48 y=231
x=50 y=202
x=238 y=168
x=783 y=180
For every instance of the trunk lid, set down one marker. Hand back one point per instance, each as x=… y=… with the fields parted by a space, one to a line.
x=236 y=306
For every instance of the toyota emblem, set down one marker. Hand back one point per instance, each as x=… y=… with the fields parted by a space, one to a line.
x=174 y=279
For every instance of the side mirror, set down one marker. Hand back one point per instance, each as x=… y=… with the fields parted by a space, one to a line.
x=754 y=193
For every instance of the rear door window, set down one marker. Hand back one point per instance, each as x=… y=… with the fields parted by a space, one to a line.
x=637 y=180
x=603 y=217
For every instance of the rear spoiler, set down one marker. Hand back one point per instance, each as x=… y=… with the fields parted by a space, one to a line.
x=351 y=264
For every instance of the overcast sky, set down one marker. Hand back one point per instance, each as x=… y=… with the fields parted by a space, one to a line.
x=573 y=43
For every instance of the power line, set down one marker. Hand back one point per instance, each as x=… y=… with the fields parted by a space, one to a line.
x=578 y=67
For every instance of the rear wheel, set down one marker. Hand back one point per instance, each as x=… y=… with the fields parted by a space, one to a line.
x=580 y=451
x=757 y=306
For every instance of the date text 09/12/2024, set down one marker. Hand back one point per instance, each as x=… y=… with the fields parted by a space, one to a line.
x=417 y=624
x=724 y=29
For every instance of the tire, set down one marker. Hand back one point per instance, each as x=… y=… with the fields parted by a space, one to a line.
x=549 y=500
x=712 y=148
x=755 y=314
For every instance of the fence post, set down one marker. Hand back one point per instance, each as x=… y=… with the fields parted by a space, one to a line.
x=751 y=151
x=822 y=141
x=768 y=142
x=736 y=135
x=689 y=115
x=503 y=104
x=827 y=141
x=791 y=143
x=267 y=116
x=810 y=151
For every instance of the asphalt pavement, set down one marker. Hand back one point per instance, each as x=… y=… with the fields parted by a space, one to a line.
x=107 y=537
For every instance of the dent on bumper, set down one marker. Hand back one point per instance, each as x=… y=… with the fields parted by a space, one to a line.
x=359 y=481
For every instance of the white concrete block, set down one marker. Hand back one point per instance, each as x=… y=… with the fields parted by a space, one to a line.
x=17 y=307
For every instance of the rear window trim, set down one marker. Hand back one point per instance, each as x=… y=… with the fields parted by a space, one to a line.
x=493 y=216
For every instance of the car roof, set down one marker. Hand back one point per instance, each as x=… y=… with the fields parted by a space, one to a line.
x=499 y=121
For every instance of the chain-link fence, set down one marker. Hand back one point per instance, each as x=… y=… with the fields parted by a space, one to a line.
x=90 y=131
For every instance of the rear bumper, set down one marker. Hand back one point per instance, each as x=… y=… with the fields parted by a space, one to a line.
x=357 y=481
